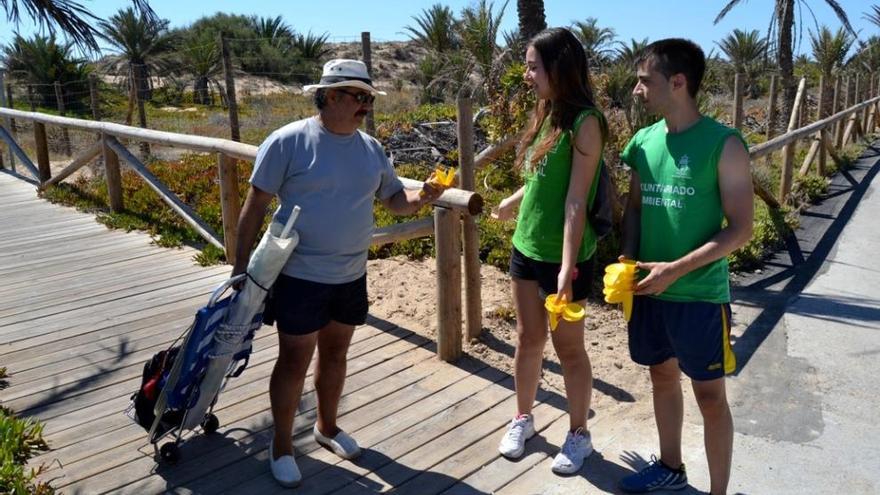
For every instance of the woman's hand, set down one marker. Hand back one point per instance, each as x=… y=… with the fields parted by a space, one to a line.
x=505 y=209
x=563 y=284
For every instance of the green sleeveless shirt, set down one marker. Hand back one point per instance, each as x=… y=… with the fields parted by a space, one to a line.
x=681 y=202
x=541 y=220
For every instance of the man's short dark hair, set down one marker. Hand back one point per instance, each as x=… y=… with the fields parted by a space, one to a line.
x=677 y=56
x=321 y=98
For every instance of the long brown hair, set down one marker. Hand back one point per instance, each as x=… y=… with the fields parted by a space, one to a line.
x=568 y=72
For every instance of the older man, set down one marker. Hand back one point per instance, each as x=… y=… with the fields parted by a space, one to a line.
x=333 y=172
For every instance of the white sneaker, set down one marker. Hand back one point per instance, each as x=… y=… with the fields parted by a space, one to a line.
x=521 y=429
x=284 y=469
x=342 y=444
x=577 y=447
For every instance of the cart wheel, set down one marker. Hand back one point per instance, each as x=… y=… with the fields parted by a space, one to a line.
x=170 y=453
x=210 y=424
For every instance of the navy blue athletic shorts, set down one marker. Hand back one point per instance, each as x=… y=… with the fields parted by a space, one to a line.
x=525 y=268
x=696 y=333
x=301 y=307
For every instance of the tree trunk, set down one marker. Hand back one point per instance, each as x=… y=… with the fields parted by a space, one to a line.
x=531 y=18
x=785 y=18
x=200 y=90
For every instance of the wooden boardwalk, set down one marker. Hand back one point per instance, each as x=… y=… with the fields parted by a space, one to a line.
x=82 y=308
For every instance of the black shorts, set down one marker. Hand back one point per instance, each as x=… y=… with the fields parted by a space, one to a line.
x=695 y=333
x=547 y=275
x=301 y=307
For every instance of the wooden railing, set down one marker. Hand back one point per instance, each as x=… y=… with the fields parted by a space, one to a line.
x=446 y=223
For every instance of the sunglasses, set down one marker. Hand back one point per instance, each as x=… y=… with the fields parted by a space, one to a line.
x=359 y=97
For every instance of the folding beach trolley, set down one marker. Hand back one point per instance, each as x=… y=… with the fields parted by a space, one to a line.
x=180 y=385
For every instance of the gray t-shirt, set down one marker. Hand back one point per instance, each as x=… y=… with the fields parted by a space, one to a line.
x=334 y=179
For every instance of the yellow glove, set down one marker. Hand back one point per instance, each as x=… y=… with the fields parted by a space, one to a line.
x=562 y=309
x=441 y=177
x=619 y=280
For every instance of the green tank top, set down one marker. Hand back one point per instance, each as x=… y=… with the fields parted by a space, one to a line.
x=541 y=220
x=681 y=202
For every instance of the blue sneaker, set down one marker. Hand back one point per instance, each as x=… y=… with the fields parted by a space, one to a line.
x=657 y=476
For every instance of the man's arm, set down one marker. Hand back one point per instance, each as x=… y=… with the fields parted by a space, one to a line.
x=249 y=222
x=735 y=185
x=632 y=218
x=408 y=201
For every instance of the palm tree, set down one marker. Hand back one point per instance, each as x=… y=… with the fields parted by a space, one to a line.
x=531 y=17
x=783 y=19
x=312 y=46
x=597 y=41
x=629 y=54
x=199 y=57
x=873 y=17
x=478 y=31
x=67 y=15
x=435 y=29
x=742 y=48
x=273 y=31
x=745 y=50
x=41 y=61
x=829 y=49
x=868 y=55
x=140 y=42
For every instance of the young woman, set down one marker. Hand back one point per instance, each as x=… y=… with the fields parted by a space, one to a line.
x=560 y=156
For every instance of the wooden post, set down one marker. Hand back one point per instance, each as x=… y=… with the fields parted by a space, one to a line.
x=59 y=100
x=820 y=114
x=771 y=115
x=857 y=97
x=838 y=131
x=93 y=96
x=446 y=238
x=737 y=100
x=31 y=101
x=835 y=105
x=8 y=121
x=230 y=203
x=136 y=73
x=473 y=303
x=788 y=150
x=232 y=103
x=771 y=107
x=368 y=61
x=112 y=175
x=42 y=151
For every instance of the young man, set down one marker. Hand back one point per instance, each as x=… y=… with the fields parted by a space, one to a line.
x=689 y=175
x=333 y=172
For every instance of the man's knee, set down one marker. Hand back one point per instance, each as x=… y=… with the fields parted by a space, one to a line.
x=711 y=398
x=666 y=376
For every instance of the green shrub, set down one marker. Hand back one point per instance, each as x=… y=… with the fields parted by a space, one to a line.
x=20 y=439
x=770 y=226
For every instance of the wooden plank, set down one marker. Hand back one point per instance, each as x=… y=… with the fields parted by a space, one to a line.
x=182 y=209
x=471 y=457
x=82 y=159
x=418 y=448
x=134 y=474
x=436 y=394
x=66 y=306
x=239 y=392
x=499 y=473
x=100 y=282
x=14 y=148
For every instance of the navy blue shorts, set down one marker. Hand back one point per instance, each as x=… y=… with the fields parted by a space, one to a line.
x=301 y=307
x=696 y=333
x=547 y=275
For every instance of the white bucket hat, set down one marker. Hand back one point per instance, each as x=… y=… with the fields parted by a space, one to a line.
x=342 y=72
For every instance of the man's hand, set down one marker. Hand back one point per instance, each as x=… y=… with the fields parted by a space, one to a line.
x=430 y=192
x=660 y=277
